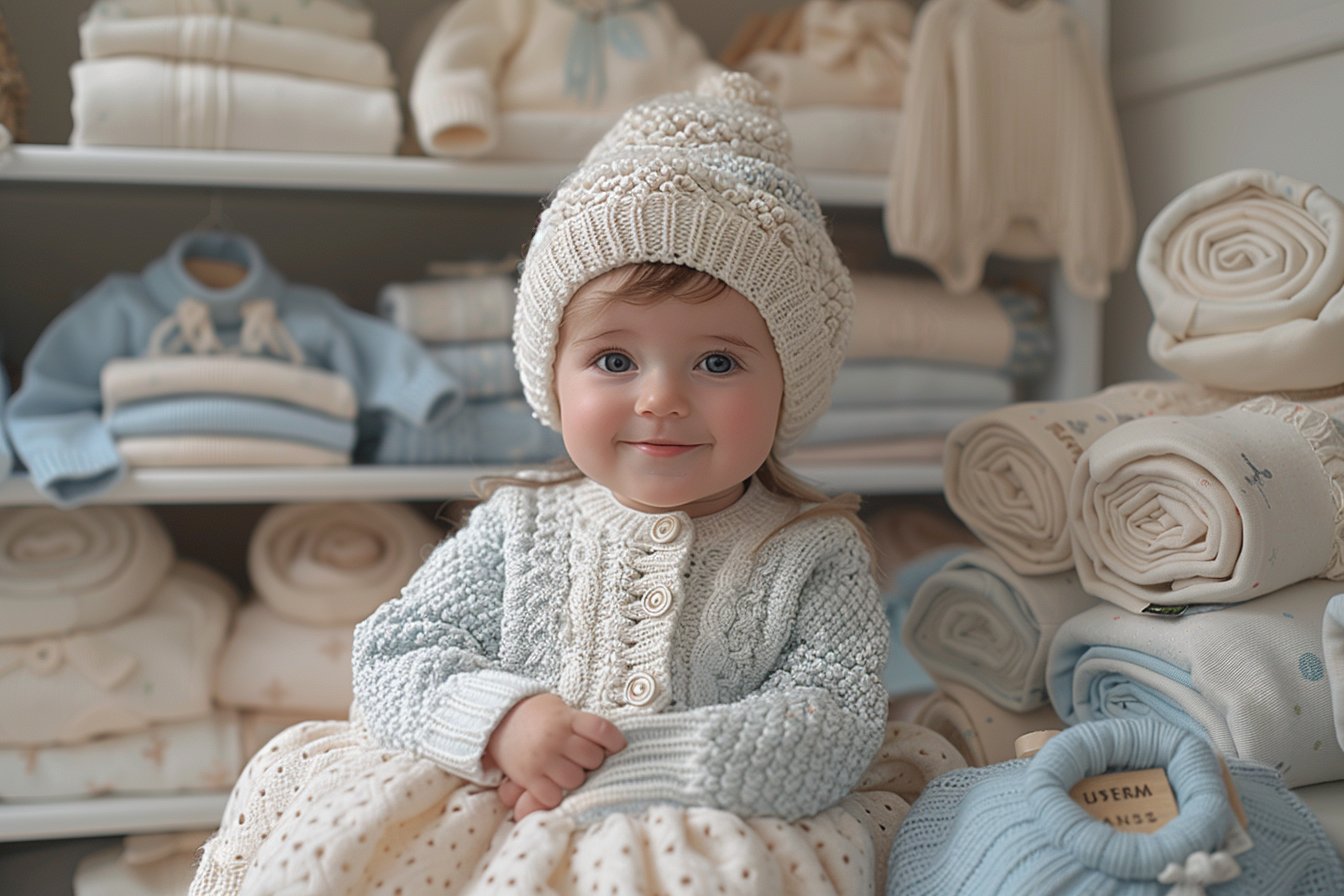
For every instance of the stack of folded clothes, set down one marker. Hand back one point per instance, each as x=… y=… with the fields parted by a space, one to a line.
x=295 y=75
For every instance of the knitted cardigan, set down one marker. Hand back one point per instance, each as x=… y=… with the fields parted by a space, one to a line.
x=746 y=681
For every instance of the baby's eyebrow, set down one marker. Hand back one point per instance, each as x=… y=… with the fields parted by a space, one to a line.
x=731 y=340
x=595 y=337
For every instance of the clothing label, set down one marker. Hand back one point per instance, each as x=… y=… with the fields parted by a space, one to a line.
x=1140 y=801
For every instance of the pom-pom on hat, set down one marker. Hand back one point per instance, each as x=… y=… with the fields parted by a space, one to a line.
x=701 y=179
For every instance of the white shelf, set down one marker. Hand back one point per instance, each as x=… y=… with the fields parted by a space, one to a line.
x=329 y=171
x=269 y=485
x=106 y=815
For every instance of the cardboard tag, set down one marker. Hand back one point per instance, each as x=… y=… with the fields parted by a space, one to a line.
x=1140 y=801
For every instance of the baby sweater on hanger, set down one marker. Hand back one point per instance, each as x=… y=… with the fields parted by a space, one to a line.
x=55 y=418
x=490 y=56
x=743 y=679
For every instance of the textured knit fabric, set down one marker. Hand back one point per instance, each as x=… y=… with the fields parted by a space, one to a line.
x=1212 y=509
x=54 y=418
x=1008 y=124
x=416 y=827
x=272 y=664
x=857 y=424
x=156 y=665
x=334 y=563
x=977 y=622
x=481 y=432
x=1007 y=473
x=69 y=570
x=702 y=180
x=486 y=369
x=226 y=40
x=489 y=56
x=346 y=18
x=203 y=754
x=1249 y=677
x=746 y=683
x=454 y=309
x=870 y=383
x=224 y=451
x=1247 y=265
x=899 y=316
x=144 y=101
x=903 y=674
x=983 y=732
x=851 y=53
x=1011 y=829
x=224 y=415
x=162 y=377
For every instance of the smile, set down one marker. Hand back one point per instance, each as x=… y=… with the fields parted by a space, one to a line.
x=661 y=449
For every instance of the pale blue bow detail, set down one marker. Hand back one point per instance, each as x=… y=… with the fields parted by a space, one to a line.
x=593 y=32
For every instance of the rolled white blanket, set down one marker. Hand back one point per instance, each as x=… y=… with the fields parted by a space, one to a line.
x=330 y=564
x=1218 y=508
x=1006 y=473
x=1249 y=677
x=982 y=732
x=1245 y=276
x=977 y=622
x=276 y=665
x=452 y=309
x=66 y=570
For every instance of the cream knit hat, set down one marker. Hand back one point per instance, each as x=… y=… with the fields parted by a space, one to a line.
x=701 y=179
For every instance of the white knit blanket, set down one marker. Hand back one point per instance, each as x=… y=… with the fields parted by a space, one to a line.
x=347 y=18
x=1250 y=677
x=1218 y=508
x=1006 y=474
x=1248 y=266
x=157 y=665
x=68 y=570
x=140 y=101
x=273 y=664
x=452 y=309
x=329 y=564
x=983 y=732
x=225 y=40
x=977 y=622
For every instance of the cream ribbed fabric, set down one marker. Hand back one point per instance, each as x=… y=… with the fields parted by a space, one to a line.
x=701 y=179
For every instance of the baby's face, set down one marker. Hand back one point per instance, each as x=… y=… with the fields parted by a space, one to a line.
x=672 y=405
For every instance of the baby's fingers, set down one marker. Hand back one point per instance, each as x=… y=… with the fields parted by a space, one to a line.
x=526 y=805
x=600 y=731
x=509 y=791
x=565 y=773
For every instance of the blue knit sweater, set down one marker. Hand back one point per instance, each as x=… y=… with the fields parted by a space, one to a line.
x=54 y=418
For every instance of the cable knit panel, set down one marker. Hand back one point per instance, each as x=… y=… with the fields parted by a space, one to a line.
x=745 y=671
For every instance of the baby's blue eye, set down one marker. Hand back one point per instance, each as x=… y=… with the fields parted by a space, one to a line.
x=615 y=362
x=719 y=363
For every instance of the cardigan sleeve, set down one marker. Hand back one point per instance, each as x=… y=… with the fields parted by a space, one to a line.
x=452 y=94
x=792 y=748
x=54 y=419
x=427 y=675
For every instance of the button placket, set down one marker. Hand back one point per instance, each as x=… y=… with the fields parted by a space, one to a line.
x=640 y=689
x=657 y=600
x=665 y=529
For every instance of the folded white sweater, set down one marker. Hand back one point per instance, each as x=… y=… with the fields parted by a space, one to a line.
x=347 y=18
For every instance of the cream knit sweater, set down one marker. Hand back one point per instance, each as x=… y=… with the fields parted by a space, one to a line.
x=743 y=681
x=583 y=56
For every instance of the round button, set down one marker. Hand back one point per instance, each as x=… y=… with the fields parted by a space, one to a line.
x=657 y=600
x=665 y=528
x=639 y=688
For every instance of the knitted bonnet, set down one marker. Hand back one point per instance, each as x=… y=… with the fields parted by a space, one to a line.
x=702 y=179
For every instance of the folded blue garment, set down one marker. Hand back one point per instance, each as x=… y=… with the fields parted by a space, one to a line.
x=897 y=382
x=1012 y=828
x=485 y=369
x=486 y=432
x=226 y=415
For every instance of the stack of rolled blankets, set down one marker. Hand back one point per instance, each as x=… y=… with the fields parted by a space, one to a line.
x=280 y=75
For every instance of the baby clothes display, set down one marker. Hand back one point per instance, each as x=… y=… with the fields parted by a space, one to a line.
x=1013 y=829
x=1247 y=265
x=1211 y=509
x=261 y=352
x=1250 y=678
x=1009 y=144
x=318 y=569
x=488 y=58
x=268 y=75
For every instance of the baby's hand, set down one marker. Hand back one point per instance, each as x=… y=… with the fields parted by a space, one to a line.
x=546 y=748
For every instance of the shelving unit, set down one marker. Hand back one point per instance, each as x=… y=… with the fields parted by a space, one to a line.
x=103 y=815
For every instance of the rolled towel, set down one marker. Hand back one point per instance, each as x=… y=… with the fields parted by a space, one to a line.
x=68 y=570
x=156 y=665
x=1213 y=509
x=452 y=309
x=977 y=622
x=1250 y=677
x=273 y=664
x=1006 y=473
x=1246 y=267
x=982 y=732
x=333 y=564
x=903 y=674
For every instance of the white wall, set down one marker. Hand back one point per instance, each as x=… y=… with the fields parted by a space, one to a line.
x=1204 y=86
